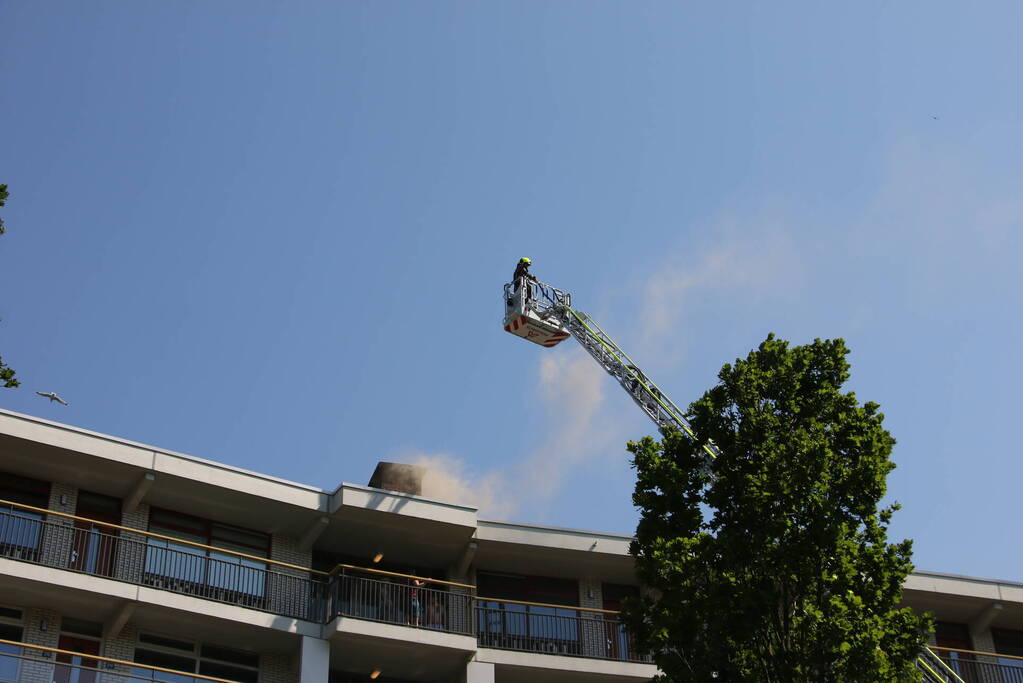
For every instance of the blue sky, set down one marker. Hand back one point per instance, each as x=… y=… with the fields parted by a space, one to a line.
x=274 y=235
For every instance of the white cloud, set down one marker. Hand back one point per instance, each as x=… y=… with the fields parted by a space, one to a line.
x=572 y=388
x=760 y=260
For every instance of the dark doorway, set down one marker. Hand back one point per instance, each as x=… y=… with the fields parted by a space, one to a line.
x=956 y=637
x=72 y=673
x=619 y=643
x=94 y=548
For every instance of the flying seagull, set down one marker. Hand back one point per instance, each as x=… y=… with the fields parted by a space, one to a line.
x=53 y=397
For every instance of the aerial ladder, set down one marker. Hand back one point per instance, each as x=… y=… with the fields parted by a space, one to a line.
x=544 y=315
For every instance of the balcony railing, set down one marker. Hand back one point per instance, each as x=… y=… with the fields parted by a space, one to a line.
x=56 y=539
x=36 y=662
x=394 y=598
x=974 y=666
x=149 y=560
x=553 y=629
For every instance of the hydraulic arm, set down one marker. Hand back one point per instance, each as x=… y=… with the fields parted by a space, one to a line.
x=544 y=315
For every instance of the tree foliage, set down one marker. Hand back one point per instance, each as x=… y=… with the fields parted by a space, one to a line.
x=774 y=564
x=6 y=372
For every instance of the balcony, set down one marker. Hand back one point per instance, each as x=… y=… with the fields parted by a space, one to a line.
x=155 y=561
x=974 y=666
x=391 y=598
x=62 y=541
x=30 y=663
x=553 y=629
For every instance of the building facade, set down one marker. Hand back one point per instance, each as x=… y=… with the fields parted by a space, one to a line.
x=121 y=562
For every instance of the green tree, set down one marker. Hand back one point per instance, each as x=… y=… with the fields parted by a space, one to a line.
x=6 y=372
x=773 y=564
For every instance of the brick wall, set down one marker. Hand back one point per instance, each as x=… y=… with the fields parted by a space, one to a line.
x=982 y=640
x=591 y=623
x=70 y=494
x=291 y=591
x=985 y=642
x=38 y=668
x=121 y=647
x=131 y=557
x=459 y=604
x=276 y=667
x=55 y=549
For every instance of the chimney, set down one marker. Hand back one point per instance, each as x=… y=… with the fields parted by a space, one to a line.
x=395 y=476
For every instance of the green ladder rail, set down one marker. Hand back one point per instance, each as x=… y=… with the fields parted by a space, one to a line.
x=934 y=668
x=647 y=395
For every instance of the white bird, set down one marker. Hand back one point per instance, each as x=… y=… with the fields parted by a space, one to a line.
x=53 y=397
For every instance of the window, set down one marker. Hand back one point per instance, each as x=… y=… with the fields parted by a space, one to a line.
x=1008 y=642
x=74 y=665
x=95 y=545
x=199 y=566
x=99 y=507
x=81 y=627
x=10 y=629
x=20 y=529
x=529 y=588
x=24 y=490
x=620 y=645
x=957 y=637
x=193 y=658
x=543 y=628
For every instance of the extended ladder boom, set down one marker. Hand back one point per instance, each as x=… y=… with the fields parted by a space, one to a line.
x=654 y=402
x=544 y=314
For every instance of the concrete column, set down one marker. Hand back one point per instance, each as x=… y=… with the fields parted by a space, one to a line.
x=478 y=672
x=120 y=646
x=291 y=591
x=980 y=634
x=39 y=667
x=314 y=666
x=59 y=533
x=131 y=555
x=593 y=637
x=460 y=614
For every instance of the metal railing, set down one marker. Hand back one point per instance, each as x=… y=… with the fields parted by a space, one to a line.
x=157 y=562
x=38 y=664
x=974 y=666
x=149 y=559
x=395 y=599
x=553 y=629
x=536 y=295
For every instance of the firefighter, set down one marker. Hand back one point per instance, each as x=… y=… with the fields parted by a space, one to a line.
x=522 y=276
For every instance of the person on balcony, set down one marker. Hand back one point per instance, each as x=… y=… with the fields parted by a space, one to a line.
x=417 y=605
x=523 y=277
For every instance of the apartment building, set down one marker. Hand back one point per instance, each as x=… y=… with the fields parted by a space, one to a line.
x=122 y=562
